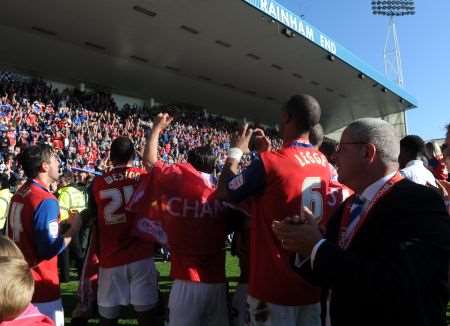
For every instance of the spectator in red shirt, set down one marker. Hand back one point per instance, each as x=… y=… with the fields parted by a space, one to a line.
x=436 y=162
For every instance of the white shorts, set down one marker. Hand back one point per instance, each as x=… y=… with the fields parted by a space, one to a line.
x=198 y=304
x=53 y=310
x=239 y=305
x=135 y=283
x=269 y=314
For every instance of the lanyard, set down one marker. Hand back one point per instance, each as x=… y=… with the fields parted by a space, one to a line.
x=346 y=234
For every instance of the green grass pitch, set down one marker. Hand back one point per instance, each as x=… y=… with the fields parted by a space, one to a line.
x=69 y=289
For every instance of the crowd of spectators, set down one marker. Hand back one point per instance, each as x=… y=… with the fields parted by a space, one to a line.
x=81 y=126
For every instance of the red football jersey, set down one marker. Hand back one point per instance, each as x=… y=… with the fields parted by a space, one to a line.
x=112 y=191
x=439 y=169
x=295 y=176
x=337 y=194
x=21 y=229
x=183 y=200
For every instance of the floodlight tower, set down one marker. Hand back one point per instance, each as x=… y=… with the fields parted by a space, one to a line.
x=392 y=58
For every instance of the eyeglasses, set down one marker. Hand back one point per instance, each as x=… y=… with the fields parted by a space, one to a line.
x=341 y=145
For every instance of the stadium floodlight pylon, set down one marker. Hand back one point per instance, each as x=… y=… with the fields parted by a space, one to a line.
x=392 y=57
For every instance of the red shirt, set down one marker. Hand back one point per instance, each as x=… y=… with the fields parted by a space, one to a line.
x=183 y=199
x=92 y=156
x=22 y=229
x=81 y=149
x=112 y=191
x=32 y=119
x=439 y=169
x=296 y=175
x=11 y=135
x=337 y=194
x=58 y=143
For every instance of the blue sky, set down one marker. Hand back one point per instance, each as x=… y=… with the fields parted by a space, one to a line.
x=424 y=42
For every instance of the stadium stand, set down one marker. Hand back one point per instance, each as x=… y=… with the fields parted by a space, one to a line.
x=81 y=126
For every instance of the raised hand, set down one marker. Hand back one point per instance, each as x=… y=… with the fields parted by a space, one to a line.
x=242 y=138
x=261 y=141
x=162 y=120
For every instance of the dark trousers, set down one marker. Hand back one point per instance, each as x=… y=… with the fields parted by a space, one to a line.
x=75 y=251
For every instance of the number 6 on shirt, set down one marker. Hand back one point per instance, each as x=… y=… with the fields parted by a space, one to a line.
x=312 y=196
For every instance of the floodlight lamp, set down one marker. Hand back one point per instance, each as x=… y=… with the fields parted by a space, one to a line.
x=393 y=8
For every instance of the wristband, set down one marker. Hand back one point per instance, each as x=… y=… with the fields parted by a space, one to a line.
x=235 y=153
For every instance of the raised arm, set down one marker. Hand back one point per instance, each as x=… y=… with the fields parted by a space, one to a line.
x=231 y=166
x=161 y=122
x=236 y=187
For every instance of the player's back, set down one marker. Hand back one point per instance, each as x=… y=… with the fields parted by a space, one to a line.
x=112 y=191
x=295 y=176
x=193 y=220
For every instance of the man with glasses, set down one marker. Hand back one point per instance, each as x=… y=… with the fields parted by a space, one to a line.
x=33 y=224
x=384 y=257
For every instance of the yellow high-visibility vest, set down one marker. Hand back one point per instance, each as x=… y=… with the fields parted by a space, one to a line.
x=70 y=197
x=5 y=199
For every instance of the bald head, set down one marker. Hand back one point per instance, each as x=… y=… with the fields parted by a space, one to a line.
x=379 y=133
x=304 y=110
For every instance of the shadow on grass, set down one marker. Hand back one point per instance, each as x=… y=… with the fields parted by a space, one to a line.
x=69 y=289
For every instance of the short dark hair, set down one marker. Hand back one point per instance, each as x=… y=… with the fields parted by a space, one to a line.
x=316 y=135
x=14 y=181
x=32 y=157
x=122 y=150
x=328 y=148
x=202 y=159
x=413 y=145
x=305 y=110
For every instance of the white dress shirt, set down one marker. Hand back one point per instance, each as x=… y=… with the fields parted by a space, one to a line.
x=418 y=173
